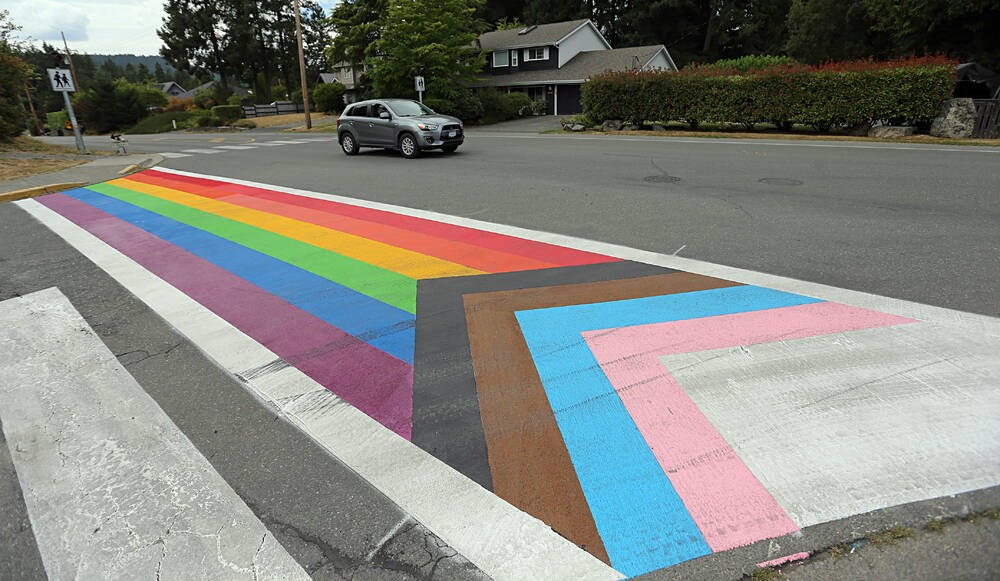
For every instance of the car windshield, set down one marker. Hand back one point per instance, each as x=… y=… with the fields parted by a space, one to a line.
x=408 y=108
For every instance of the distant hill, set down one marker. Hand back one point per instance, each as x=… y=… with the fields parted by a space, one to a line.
x=124 y=59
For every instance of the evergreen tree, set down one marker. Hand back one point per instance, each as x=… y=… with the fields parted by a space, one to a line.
x=194 y=36
x=159 y=74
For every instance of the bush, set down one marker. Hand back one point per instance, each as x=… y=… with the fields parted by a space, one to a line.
x=329 y=97
x=178 y=104
x=833 y=95
x=208 y=121
x=515 y=105
x=109 y=105
x=227 y=113
x=245 y=123
x=163 y=122
x=457 y=102
x=748 y=63
x=151 y=97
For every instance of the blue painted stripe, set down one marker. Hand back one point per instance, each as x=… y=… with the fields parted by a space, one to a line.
x=380 y=325
x=639 y=515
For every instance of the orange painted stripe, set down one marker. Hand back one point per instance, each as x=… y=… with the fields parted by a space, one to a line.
x=409 y=264
x=470 y=255
x=540 y=251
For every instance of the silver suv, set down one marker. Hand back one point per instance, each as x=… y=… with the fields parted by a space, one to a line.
x=399 y=124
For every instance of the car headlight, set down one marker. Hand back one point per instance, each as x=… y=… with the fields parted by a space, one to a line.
x=427 y=126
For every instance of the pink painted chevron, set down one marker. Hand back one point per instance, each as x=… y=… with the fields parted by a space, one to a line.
x=729 y=505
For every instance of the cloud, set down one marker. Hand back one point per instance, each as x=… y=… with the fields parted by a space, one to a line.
x=45 y=20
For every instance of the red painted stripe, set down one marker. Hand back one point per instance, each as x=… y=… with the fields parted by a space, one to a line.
x=540 y=251
x=458 y=252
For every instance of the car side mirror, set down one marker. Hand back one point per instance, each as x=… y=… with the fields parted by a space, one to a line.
x=384 y=115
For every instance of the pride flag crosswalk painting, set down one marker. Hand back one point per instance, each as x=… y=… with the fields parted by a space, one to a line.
x=606 y=397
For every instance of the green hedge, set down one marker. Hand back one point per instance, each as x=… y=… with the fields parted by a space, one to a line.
x=906 y=91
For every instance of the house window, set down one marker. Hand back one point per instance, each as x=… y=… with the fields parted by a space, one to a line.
x=500 y=58
x=538 y=53
x=513 y=57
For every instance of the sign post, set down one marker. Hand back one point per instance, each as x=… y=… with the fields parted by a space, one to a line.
x=62 y=82
x=418 y=83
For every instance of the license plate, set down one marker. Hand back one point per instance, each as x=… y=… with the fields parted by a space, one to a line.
x=452 y=133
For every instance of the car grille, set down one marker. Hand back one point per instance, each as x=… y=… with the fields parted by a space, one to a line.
x=452 y=127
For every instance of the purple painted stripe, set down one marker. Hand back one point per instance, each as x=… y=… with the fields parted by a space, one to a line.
x=369 y=379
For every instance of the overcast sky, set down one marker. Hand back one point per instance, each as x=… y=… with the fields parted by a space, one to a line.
x=95 y=26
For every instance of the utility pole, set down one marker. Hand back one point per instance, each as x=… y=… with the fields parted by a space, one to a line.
x=31 y=105
x=302 y=64
x=72 y=69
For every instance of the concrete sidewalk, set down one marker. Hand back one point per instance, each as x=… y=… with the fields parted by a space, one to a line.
x=101 y=169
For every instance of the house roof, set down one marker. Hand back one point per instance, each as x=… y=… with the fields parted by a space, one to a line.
x=237 y=90
x=166 y=86
x=328 y=77
x=579 y=68
x=542 y=34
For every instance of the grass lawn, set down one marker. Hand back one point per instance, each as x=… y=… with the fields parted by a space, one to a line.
x=24 y=156
x=12 y=169
x=288 y=119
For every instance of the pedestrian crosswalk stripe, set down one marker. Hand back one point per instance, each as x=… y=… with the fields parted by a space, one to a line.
x=173 y=154
x=234 y=147
x=206 y=151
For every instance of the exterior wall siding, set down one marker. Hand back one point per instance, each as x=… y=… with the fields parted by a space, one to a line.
x=584 y=39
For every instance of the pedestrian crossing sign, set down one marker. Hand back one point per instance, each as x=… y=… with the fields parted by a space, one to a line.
x=62 y=80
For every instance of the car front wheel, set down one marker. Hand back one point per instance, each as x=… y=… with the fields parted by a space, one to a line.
x=348 y=144
x=408 y=146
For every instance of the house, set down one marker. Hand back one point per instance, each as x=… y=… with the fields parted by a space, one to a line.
x=550 y=62
x=346 y=75
x=240 y=92
x=171 y=89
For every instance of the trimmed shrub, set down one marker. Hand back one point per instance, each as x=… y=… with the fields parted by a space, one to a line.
x=849 y=94
x=515 y=105
x=227 y=113
x=329 y=97
x=163 y=122
x=208 y=121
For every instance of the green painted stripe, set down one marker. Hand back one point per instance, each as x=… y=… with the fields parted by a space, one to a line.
x=378 y=283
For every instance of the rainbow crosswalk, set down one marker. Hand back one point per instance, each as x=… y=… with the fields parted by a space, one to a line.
x=329 y=287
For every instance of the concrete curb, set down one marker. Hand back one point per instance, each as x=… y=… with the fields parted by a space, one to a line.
x=38 y=191
x=97 y=171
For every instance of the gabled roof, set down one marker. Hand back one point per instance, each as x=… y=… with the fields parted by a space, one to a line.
x=581 y=67
x=166 y=86
x=540 y=35
x=328 y=78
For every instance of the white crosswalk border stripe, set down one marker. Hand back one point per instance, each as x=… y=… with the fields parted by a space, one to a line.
x=173 y=154
x=113 y=489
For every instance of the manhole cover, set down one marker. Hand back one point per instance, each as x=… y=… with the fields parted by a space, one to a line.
x=781 y=182
x=661 y=179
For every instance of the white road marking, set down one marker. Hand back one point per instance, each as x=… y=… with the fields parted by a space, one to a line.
x=501 y=540
x=971 y=321
x=287 y=142
x=112 y=487
x=268 y=143
x=752 y=142
x=205 y=151
x=234 y=147
x=843 y=424
x=171 y=154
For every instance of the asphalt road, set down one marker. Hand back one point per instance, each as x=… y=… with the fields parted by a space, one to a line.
x=908 y=221
x=911 y=222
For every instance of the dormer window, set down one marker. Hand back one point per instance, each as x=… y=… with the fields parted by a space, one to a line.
x=537 y=53
x=500 y=58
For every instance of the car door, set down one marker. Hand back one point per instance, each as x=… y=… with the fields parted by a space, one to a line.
x=383 y=131
x=356 y=119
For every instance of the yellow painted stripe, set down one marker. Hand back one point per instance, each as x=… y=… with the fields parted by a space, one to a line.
x=405 y=262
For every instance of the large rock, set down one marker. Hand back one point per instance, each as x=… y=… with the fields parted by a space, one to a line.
x=957 y=119
x=611 y=125
x=890 y=131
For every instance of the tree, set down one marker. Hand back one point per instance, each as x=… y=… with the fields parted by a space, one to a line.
x=432 y=38
x=823 y=30
x=194 y=36
x=965 y=29
x=357 y=26
x=159 y=74
x=110 y=70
